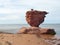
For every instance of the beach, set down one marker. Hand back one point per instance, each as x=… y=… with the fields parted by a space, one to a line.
x=9 y=36
x=21 y=39
x=27 y=39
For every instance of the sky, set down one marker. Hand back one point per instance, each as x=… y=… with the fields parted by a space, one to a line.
x=14 y=11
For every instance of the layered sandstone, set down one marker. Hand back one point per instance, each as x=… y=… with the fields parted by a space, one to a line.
x=36 y=30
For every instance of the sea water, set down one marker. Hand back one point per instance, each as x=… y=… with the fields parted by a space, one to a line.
x=14 y=28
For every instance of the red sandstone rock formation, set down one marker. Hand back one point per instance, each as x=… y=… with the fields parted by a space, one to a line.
x=30 y=30
x=36 y=30
x=35 y=18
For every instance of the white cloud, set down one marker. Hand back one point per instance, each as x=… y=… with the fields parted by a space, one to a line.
x=10 y=17
x=8 y=11
x=17 y=3
x=15 y=9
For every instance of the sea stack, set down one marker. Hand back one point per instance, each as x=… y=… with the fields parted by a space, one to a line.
x=34 y=18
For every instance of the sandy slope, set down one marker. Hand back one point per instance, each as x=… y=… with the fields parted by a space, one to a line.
x=21 y=39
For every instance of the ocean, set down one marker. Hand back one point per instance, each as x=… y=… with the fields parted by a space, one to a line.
x=14 y=28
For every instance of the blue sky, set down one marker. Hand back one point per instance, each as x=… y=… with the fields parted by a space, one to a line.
x=13 y=11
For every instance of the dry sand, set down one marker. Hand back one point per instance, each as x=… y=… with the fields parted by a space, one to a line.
x=21 y=39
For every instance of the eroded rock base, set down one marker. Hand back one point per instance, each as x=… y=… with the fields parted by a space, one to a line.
x=36 y=30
